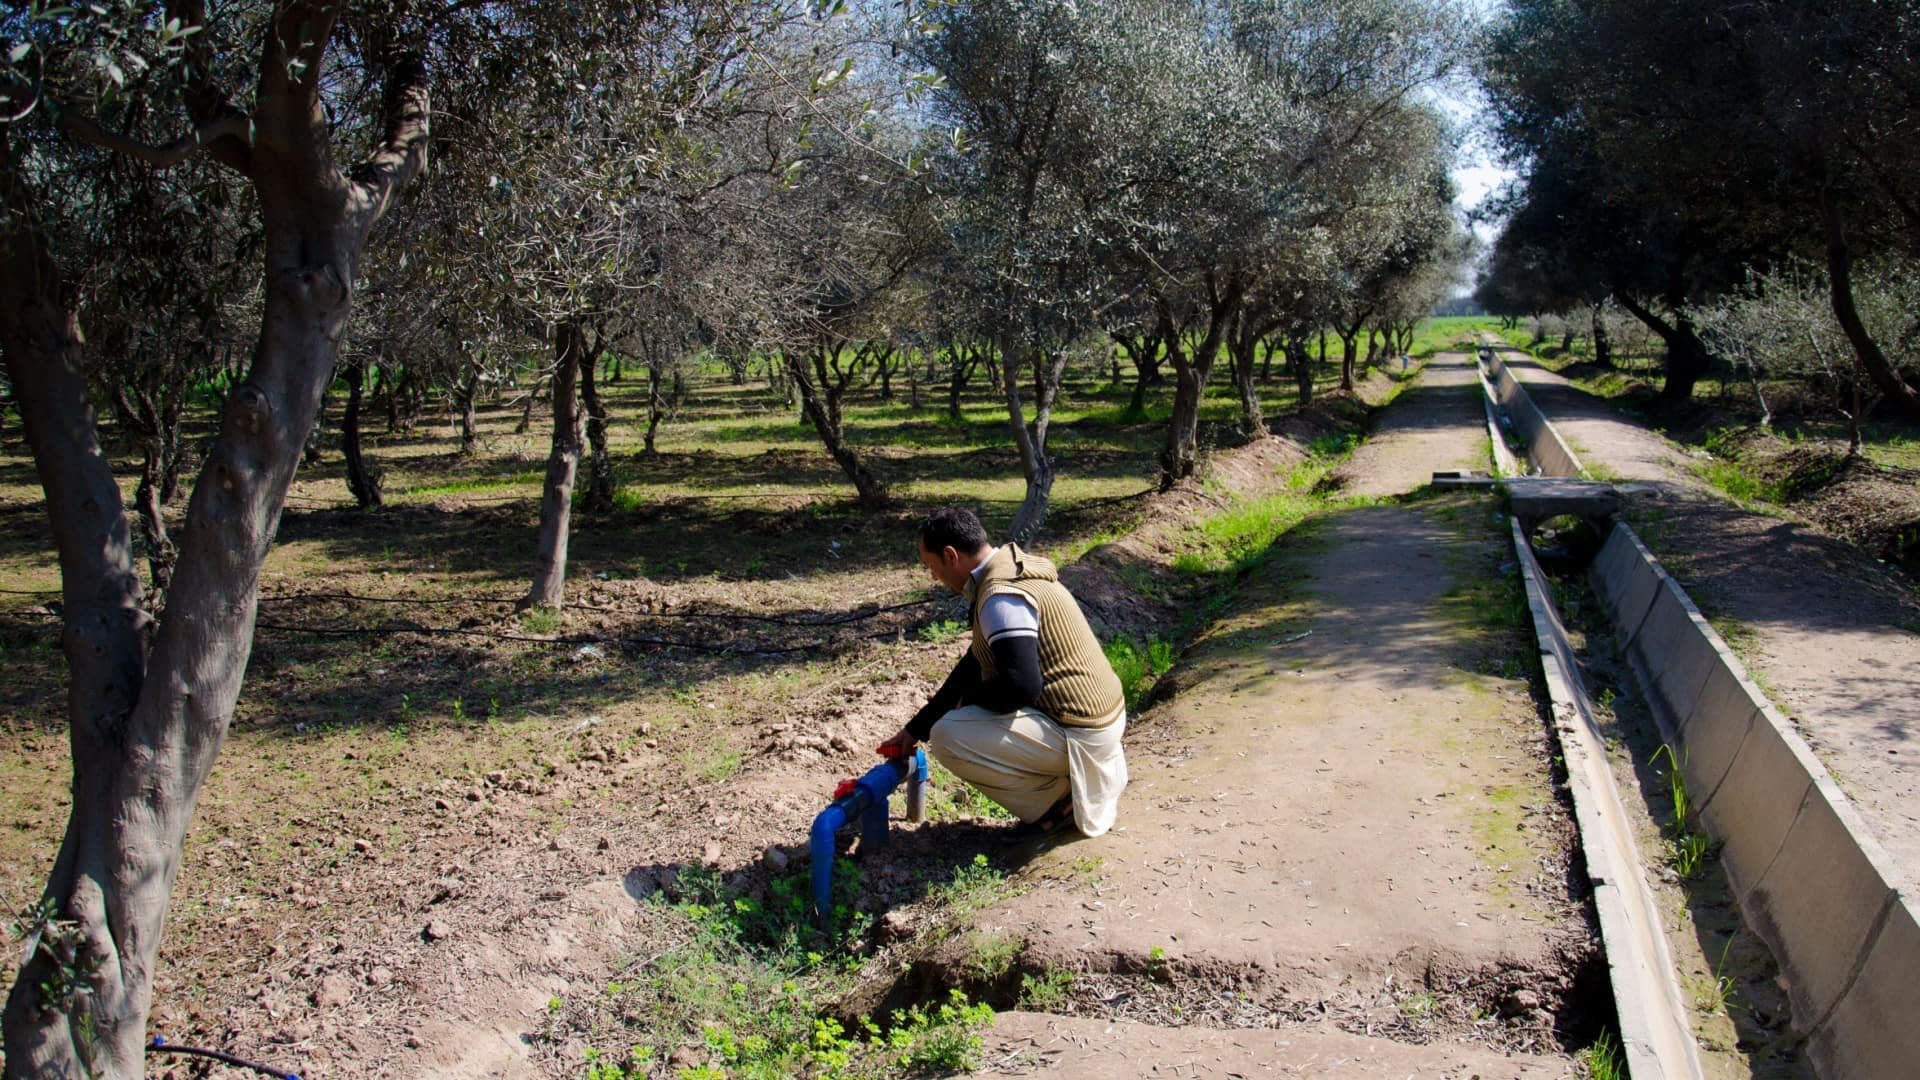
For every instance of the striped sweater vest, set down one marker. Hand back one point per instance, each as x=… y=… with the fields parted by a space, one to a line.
x=1077 y=686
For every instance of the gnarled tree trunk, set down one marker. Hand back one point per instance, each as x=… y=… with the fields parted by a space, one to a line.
x=962 y=359
x=146 y=725
x=1190 y=373
x=1243 y=348
x=1687 y=357
x=599 y=499
x=1030 y=439
x=1872 y=359
x=822 y=382
x=563 y=465
x=463 y=400
x=1143 y=352
x=1300 y=362
x=363 y=476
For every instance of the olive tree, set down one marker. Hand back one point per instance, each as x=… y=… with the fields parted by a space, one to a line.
x=262 y=91
x=1034 y=100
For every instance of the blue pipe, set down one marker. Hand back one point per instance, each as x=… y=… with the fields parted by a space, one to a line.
x=868 y=803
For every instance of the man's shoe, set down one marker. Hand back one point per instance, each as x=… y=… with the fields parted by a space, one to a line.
x=1058 y=820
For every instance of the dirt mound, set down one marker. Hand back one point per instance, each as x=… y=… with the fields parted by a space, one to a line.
x=1846 y=495
x=1129 y=586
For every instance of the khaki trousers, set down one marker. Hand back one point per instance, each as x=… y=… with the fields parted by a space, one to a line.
x=1026 y=762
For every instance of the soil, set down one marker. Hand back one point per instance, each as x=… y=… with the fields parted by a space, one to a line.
x=1831 y=632
x=417 y=842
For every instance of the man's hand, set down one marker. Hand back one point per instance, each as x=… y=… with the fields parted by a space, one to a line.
x=899 y=745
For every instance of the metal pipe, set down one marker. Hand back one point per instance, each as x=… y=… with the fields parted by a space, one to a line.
x=917 y=787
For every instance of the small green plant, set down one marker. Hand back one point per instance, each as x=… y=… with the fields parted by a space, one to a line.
x=1676 y=785
x=540 y=620
x=712 y=765
x=1157 y=968
x=75 y=965
x=943 y=631
x=459 y=710
x=1418 y=1006
x=1604 y=1060
x=1046 y=992
x=973 y=887
x=406 y=708
x=991 y=955
x=949 y=799
x=1088 y=869
x=1715 y=992
x=1689 y=849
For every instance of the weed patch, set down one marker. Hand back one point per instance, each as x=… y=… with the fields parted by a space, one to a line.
x=1687 y=849
x=1138 y=665
x=745 y=989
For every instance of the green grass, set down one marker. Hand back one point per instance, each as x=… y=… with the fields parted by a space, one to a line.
x=973 y=887
x=942 y=631
x=1603 y=1059
x=951 y=799
x=1446 y=332
x=1236 y=538
x=478 y=485
x=1046 y=992
x=1138 y=665
x=990 y=953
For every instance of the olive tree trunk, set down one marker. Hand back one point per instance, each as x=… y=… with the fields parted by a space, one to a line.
x=1687 y=357
x=149 y=706
x=468 y=390
x=363 y=476
x=1872 y=359
x=1190 y=373
x=1030 y=438
x=821 y=376
x=563 y=466
x=599 y=498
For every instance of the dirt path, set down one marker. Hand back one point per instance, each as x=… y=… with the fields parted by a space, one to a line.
x=1829 y=631
x=1341 y=845
x=1429 y=428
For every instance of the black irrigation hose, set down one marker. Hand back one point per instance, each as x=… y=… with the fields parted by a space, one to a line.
x=162 y=1046
x=584 y=639
x=731 y=616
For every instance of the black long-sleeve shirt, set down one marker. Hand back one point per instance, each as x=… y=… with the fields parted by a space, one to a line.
x=1015 y=685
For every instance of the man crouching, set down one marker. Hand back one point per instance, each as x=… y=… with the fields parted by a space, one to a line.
x=1032 y=714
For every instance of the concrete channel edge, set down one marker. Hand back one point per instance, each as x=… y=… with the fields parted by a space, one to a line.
x=1809 y=877
x=1654 y=1032
x=1545 y=448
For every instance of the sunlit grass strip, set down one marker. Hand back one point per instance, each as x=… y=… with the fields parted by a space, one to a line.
x=478 y=485
x=1236 y=538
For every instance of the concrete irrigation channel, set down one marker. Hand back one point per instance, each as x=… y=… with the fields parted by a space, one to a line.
x=1832 y=905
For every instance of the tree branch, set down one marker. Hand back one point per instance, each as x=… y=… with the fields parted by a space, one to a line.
x=87 y=129
x=402 y=152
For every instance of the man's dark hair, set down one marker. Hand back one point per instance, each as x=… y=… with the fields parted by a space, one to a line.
x=954 y=527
